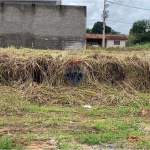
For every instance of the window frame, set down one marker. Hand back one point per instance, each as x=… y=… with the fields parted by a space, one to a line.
x=116 y=42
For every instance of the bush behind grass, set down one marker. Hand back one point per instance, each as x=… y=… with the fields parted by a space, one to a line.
x=141 y=46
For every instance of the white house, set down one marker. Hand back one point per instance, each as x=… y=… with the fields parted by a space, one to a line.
x=111 y=40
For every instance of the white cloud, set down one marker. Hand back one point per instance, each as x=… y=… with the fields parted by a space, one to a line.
x=73 y=3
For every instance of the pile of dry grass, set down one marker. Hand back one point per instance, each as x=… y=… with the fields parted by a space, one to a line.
x=105 y=68
x=19 y=69
x=138 y=73
x=47 y=69
x=135 y=71
x=41 y=77
x=50 y=70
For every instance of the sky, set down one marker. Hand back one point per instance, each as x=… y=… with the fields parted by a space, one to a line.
x=121 y=18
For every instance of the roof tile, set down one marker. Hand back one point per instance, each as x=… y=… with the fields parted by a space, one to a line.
x=107 y=36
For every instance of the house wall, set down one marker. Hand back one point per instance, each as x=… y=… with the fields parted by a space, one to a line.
x=110 y=43
x=42 y=26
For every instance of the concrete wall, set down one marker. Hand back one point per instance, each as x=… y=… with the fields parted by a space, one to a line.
x=110 y=43
x=42 y=26
x=51 y=2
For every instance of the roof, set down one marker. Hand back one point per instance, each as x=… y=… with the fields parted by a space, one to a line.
x=32 y=1
x=116 y=37
x=107 y=36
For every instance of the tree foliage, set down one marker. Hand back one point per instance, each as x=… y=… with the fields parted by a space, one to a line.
x=88 y=30
x=141 y=31
x=114 y=32
x=132 y=39
x=98 y=28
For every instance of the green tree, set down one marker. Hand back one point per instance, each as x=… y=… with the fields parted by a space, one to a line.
x=88 y=30
x=131 y=40
x=98 y=28
x=141 y=31
x=114 y=32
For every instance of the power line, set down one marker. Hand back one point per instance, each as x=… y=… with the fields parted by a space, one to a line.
x=119 y=22
x=128 y=5
x=110 y=21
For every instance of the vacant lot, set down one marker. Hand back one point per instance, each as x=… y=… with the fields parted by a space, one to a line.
x=46 y=112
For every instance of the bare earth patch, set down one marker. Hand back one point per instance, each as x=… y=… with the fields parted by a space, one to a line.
x=147 y=129
x=42 y=145
x=100 y=147
x=5 y=129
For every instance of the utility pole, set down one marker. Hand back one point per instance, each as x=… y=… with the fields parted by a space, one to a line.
x=104 y=17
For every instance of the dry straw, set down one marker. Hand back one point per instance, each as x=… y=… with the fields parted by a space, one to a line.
x=109 y=80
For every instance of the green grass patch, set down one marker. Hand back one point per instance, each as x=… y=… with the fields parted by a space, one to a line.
x=71 y=126
x=8 y=144
x=111 y=130
x=142 y=46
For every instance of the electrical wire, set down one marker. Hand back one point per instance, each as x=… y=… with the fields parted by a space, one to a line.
x=128 y=5
x=119 y=22
x=110 y=21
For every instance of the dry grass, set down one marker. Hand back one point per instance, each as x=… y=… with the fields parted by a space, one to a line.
x=112 y=77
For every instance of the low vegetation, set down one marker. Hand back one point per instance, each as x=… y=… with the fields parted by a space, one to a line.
x=142 y=46
x=40 y=109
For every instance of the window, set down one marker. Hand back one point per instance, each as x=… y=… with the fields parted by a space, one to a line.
x=116 y=42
